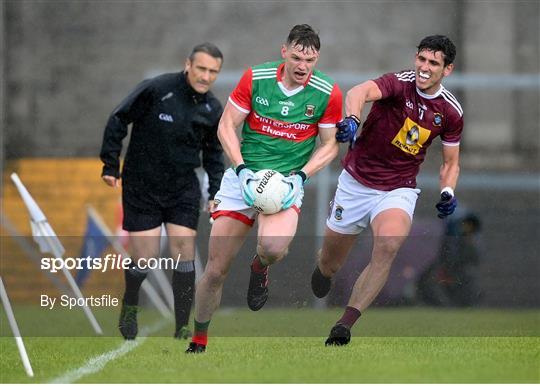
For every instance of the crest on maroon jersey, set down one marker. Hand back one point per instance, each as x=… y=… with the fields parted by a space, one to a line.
x=437 y=119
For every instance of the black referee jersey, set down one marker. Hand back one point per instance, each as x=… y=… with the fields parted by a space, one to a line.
x=172 y=126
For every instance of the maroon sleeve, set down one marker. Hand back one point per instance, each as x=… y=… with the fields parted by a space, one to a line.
x=390 y=84
x=451 y=134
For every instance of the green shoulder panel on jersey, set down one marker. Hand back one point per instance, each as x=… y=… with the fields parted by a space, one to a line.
x=266 y=70
x=322 y=82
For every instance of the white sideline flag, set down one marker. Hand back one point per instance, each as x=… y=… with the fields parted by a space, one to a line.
x=48 y=242
x=38 y=222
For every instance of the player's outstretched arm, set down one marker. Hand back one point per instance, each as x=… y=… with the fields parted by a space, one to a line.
x=358 y=96
x=231 y=119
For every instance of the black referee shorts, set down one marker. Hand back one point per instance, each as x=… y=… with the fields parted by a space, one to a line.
x=144 y=209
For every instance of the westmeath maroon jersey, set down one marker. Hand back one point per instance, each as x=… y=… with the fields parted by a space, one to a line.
x=398 y=130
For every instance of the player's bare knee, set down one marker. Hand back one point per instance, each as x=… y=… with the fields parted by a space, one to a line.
x=383 y=257
x=388 y=245
x=182 y=248
x=271 y=253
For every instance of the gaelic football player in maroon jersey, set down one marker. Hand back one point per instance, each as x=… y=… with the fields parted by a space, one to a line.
x=377 y=187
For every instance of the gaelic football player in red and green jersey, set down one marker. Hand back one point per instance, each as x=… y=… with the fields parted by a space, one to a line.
x=377 y=187
x=282 y=107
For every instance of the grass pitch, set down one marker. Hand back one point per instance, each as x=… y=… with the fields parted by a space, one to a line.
x=286 y=346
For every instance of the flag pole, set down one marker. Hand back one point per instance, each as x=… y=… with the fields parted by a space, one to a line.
x=71 y=281
x=48 y=241
x=146 y=286
x=15 y=330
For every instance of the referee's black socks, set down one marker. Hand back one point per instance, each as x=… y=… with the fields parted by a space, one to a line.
x=183 y=285
x=134 y=278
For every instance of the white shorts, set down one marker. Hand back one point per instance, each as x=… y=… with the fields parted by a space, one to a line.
x=229 y=201
x=355 y=205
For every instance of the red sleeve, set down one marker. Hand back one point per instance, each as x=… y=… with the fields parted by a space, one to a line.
x=241 y=95
x=390 y=84
x=332 y=114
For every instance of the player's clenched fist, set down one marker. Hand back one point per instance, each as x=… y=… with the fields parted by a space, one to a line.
x=446 y=205
x=347 y=128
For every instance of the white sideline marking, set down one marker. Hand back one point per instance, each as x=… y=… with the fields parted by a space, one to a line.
x=96 y=364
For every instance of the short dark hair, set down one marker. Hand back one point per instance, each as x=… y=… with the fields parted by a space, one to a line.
x=207 y=48
x=304 y=36
x=441 y=43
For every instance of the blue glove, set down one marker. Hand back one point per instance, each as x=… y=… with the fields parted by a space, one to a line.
x=347 y=128
x=297 y=188
x=245 y=176
x=446 y=205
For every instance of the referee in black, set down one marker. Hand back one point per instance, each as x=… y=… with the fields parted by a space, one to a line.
x=174 y=119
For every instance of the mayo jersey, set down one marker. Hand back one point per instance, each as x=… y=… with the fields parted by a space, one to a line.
x=398 y=130
x=280 y=130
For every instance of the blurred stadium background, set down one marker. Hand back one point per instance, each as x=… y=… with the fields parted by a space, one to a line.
x=65 y=66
